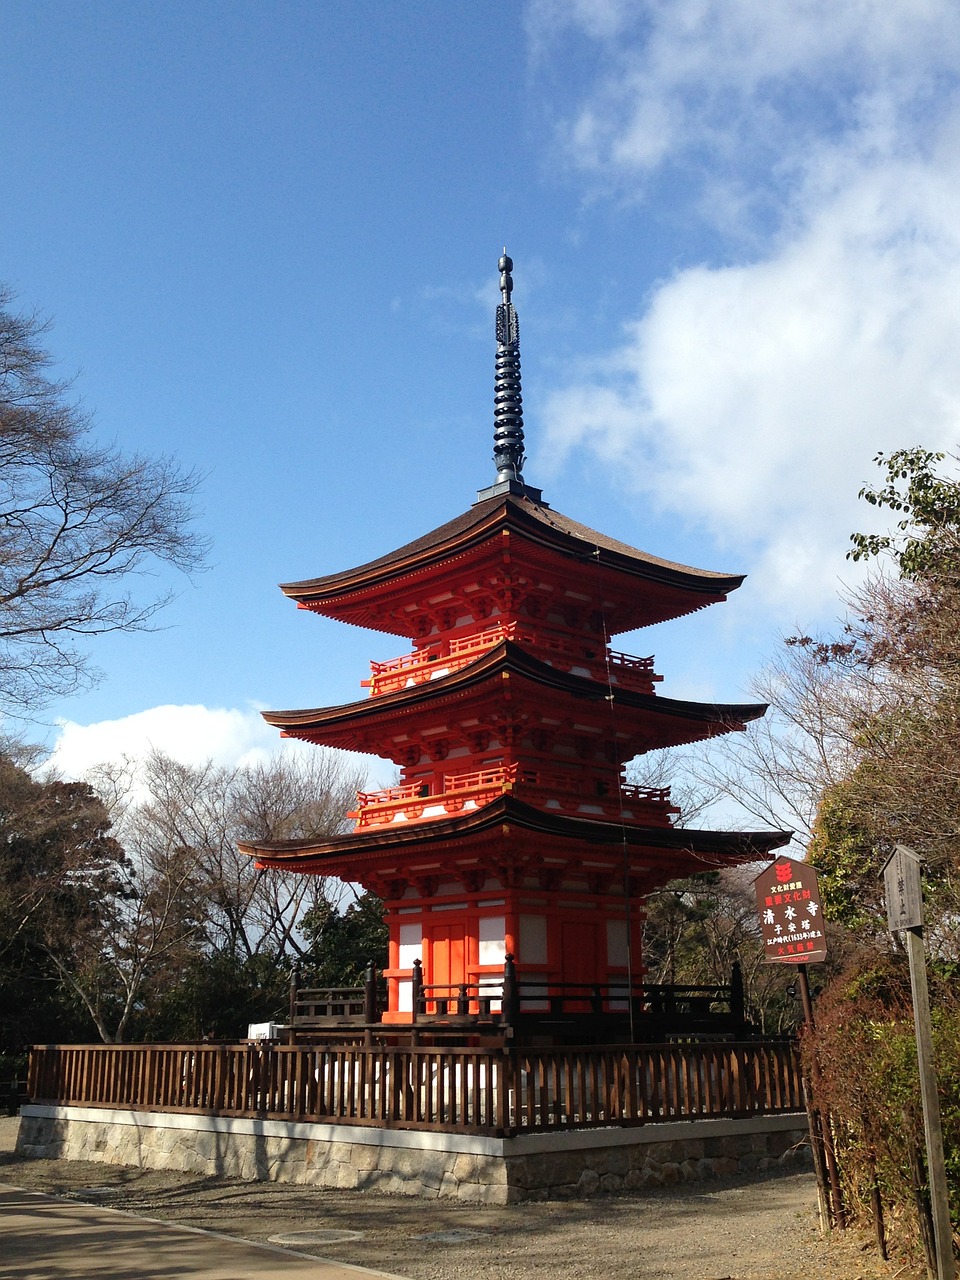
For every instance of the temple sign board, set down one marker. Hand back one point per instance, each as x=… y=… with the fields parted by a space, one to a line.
x=901 y=884
x=791 y=921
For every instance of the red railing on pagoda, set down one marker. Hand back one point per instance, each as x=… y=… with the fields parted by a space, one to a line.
x=571 y=794
x=445 y=656
x=414 y=801
x=435 y=659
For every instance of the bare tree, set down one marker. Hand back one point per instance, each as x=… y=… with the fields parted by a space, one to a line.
x=188 y=892
x=692 y=792
x=77 y=521
x=207 y=809
x=127 y=939
x=776 y=772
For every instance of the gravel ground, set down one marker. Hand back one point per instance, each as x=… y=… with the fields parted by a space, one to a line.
x=764 y=1229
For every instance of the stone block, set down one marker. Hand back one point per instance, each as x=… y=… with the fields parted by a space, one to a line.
x=615 y=1160
x=365 y=1158
x=465 y=1168
x=523 y=1171
x=554 y=1174
x=556 y=1167
x=491 y=1170
x=389 y=1184
x=430 y=1178
x=398 y=1161
x=737 y=1144
x=499 y=1195
x=563 y=1191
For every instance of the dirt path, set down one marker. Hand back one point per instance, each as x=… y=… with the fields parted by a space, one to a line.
x=725 y=1230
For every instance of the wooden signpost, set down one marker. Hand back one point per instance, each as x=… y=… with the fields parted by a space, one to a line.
x=791 y=923
x=901 y=878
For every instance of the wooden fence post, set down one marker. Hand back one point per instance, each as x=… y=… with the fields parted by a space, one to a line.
x=737 y=1002
x=511 y=996
x=371 y=1011
x=294 y=991
x=416 y=984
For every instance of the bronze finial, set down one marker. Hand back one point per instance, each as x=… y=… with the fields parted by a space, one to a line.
x=507 y=400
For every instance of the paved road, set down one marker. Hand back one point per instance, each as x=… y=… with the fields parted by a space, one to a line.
x=48 y=1238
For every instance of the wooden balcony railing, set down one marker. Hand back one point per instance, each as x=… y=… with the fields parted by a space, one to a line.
x=412 y=799
x=444 y=656
x=572 y=794
x=499 y=1091
x=517 y=1006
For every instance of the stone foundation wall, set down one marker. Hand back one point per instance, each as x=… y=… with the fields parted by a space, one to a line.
x=561 y=1165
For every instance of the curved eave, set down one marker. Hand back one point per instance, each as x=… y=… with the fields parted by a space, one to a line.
x=353 y=849
x=487 y=521
x=507 y=658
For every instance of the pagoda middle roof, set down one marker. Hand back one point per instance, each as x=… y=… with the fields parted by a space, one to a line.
x=353 y=849
x=347 y=725
x=678 y=588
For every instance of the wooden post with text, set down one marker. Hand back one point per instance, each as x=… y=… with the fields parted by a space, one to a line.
x=904 y=895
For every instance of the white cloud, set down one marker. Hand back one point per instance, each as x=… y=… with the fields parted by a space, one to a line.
x=190 y=734
x=725 y=76
x=751 y=397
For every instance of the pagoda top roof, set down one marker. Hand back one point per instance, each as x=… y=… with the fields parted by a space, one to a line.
x=518 y=513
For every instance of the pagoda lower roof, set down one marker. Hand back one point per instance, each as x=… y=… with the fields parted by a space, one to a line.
x=506 y=827
x=366 y=594
x=365 y=725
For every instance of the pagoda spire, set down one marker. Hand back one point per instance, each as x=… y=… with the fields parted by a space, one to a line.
x=508 y=402
x=508 y=455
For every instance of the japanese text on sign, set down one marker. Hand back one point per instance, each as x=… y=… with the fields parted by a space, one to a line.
x=788 y=899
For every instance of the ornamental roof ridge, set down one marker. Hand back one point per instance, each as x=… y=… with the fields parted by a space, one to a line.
x=507 y=654
x=723 y=846
x=485 y=517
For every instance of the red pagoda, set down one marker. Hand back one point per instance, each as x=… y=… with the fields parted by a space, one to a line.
x=513 y=838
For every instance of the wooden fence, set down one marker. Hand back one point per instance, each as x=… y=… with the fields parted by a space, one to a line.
x=495 y=1091
x=574 y=1013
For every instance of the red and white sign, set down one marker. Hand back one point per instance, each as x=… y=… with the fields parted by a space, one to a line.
x=788 y=899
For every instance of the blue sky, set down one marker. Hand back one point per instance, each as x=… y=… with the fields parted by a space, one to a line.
x=267 y=234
